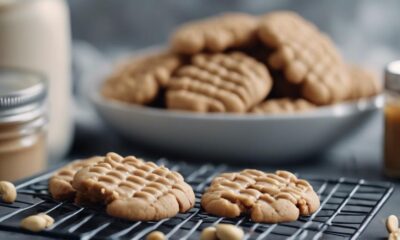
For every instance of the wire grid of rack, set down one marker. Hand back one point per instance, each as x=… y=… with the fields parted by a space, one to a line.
x=347 y=206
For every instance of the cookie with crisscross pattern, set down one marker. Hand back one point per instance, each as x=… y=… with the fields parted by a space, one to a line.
x=282 y=105
x=365 y=83
x=134 y=189
x=229 y=82
x=140 y=79
x=267 y=197
x=60 y=186
x=305 y=56
x=215 y=34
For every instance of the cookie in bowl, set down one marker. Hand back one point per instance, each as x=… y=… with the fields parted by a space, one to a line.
x=305 y=56
x=283 y=105
x=215 y=34
x=364 y=82
x=140 y=79
x=230 y=82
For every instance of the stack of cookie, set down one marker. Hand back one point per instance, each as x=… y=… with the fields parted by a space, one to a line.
x=238 y=63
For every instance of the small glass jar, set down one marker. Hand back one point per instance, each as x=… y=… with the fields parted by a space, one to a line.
x=23 y=123
x=392 y=120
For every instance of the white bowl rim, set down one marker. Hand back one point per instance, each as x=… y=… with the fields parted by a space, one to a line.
x=338 y=110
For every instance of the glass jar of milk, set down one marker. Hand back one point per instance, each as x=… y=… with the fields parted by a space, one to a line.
x=35 y=35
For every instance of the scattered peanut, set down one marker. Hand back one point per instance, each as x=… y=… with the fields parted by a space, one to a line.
x=156 y=235
x=394 y=236
x=392 y=224
x=209 y=233
x=49 y=220
x=7 y=192
x=36 y=223
x=229 y=232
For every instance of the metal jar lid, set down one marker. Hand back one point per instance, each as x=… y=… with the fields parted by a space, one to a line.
x=392 y=76
x=22 y=95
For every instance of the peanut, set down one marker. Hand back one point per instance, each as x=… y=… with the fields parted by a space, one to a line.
x=394 y=236
x=156 y=235
x=229 y=232
x=392 y=224
x=209 y=233
x=49 y=220
x=7 y=192
x=36 y=223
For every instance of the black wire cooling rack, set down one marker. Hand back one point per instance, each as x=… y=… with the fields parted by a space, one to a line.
x=347 y=206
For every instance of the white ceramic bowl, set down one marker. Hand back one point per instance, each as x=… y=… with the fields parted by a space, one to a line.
x=244 y=138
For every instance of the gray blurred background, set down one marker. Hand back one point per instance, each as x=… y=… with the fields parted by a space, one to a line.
x=367 y=31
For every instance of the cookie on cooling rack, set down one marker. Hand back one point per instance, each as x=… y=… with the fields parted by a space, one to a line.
x=305 y=56
x=60 y=186
x=215 y=34
x=133 y=189
x=282 y=105
x=139 y=80
x=267 y=197
x=228 y=82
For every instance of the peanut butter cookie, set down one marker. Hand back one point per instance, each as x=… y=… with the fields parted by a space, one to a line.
x=215 y=34
x=305 y=56
x=229 y=82
x=139 y=80
x=60 y=186
x=283 y=105
x=267 y=197
x=365 y=83
x=133 y=189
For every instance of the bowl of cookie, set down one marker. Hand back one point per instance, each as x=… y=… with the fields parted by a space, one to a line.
x=240 y=87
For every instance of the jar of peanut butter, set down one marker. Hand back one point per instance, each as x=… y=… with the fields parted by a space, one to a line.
x=22 y=123
x=392 y=120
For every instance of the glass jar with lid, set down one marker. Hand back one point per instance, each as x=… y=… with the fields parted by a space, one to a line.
x=23 y=123
x=392 y=120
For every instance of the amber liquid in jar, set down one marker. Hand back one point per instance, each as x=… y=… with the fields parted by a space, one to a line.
x=392 y=136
